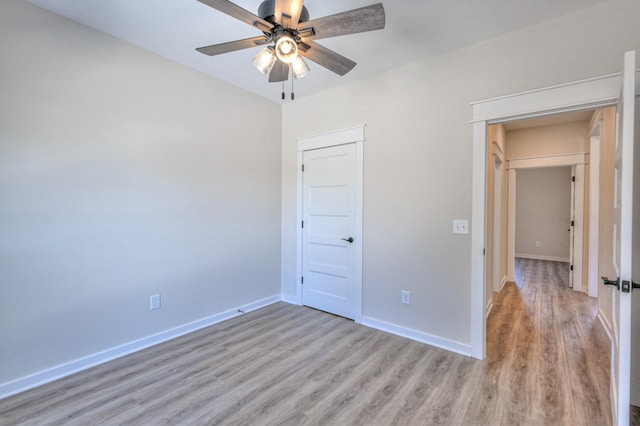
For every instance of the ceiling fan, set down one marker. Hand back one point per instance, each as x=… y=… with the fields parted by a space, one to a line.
x=288 y=35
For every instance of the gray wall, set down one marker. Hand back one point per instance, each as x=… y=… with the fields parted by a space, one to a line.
x=418 y=156
x=123 y=174
x=543 y=212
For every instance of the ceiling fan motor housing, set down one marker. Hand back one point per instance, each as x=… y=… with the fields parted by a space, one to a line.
x=267 y=11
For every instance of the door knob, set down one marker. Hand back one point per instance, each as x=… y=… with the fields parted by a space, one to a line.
x=349 y=240
x=607 y=281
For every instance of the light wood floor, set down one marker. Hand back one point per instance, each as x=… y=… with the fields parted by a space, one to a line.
x=635 y=416
x=547 y=364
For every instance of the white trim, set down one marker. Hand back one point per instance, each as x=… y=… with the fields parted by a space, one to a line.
x=325 y=140
x=503 y=282
x=299 y=190
x=419 y=336
x=593 y=278
x=46 y=376
x=578 y=229
x=511 y=225
x=478 y=327
x=548 y=161
x=572 y=227
x=599 y=91
x=605 y=323
x=334 y=138
x=498 y=193
x=590 y=93
x=359 y=226
x=542 y=257
x=499 y=152
x=489 y=308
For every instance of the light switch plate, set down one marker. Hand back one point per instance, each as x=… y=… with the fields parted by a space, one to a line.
x=460 y=226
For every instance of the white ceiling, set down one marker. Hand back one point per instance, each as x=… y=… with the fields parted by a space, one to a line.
x=414 y=30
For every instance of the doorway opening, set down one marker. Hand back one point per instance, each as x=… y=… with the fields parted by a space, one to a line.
x=538 y=196
x=545 y=169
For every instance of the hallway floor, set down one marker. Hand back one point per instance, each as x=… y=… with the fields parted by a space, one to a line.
x=547 y=349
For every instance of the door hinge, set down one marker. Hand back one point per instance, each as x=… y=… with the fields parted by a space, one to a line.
x=484 y=252
x=301 y=280
x=573 y=223
x=302 y=224
x=573 y=178
x=571 y=267
x=303 y=167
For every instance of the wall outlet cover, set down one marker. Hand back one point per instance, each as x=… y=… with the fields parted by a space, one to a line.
x=154 y=302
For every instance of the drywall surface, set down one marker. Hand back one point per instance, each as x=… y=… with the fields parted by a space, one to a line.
x=543 y=213
x=123 y=175
x=545 y=141
x=418 y=156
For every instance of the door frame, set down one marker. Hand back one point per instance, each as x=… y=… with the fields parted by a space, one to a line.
x=497 y=277
x=577 y=162
x=593 y=277
x=350 y=135
x=593 y=93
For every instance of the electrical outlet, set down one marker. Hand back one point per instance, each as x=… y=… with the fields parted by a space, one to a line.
x=154 y=302
x=406 y=297
x=537 y=243
x=460 y=226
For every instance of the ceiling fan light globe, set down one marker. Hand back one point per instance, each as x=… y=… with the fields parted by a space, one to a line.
x=299 y=68
x=264 y=60
x=286 y=49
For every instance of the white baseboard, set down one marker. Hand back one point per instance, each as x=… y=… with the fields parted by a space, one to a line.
x=542 y=257
x=293 y=300
x=489 y=308
x=420 y=336
x=605 y=323
x=503 y=282
x=29 y=382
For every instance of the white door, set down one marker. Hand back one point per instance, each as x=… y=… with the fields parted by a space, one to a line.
x=329 y=230
x=622 y=256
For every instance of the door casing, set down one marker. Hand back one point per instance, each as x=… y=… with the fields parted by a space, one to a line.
x=350 y=135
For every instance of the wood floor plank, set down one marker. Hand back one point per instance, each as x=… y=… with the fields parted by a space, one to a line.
x=547 y=363
x=635 y=416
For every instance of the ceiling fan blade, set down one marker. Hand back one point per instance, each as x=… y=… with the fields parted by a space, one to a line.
x=368 y=18
x=325 y=57
x=239 y=13
x=232 y=46
x=279 y=72
x=287 y=12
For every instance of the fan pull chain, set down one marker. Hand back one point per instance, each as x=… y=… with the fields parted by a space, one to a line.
x=293 y=96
